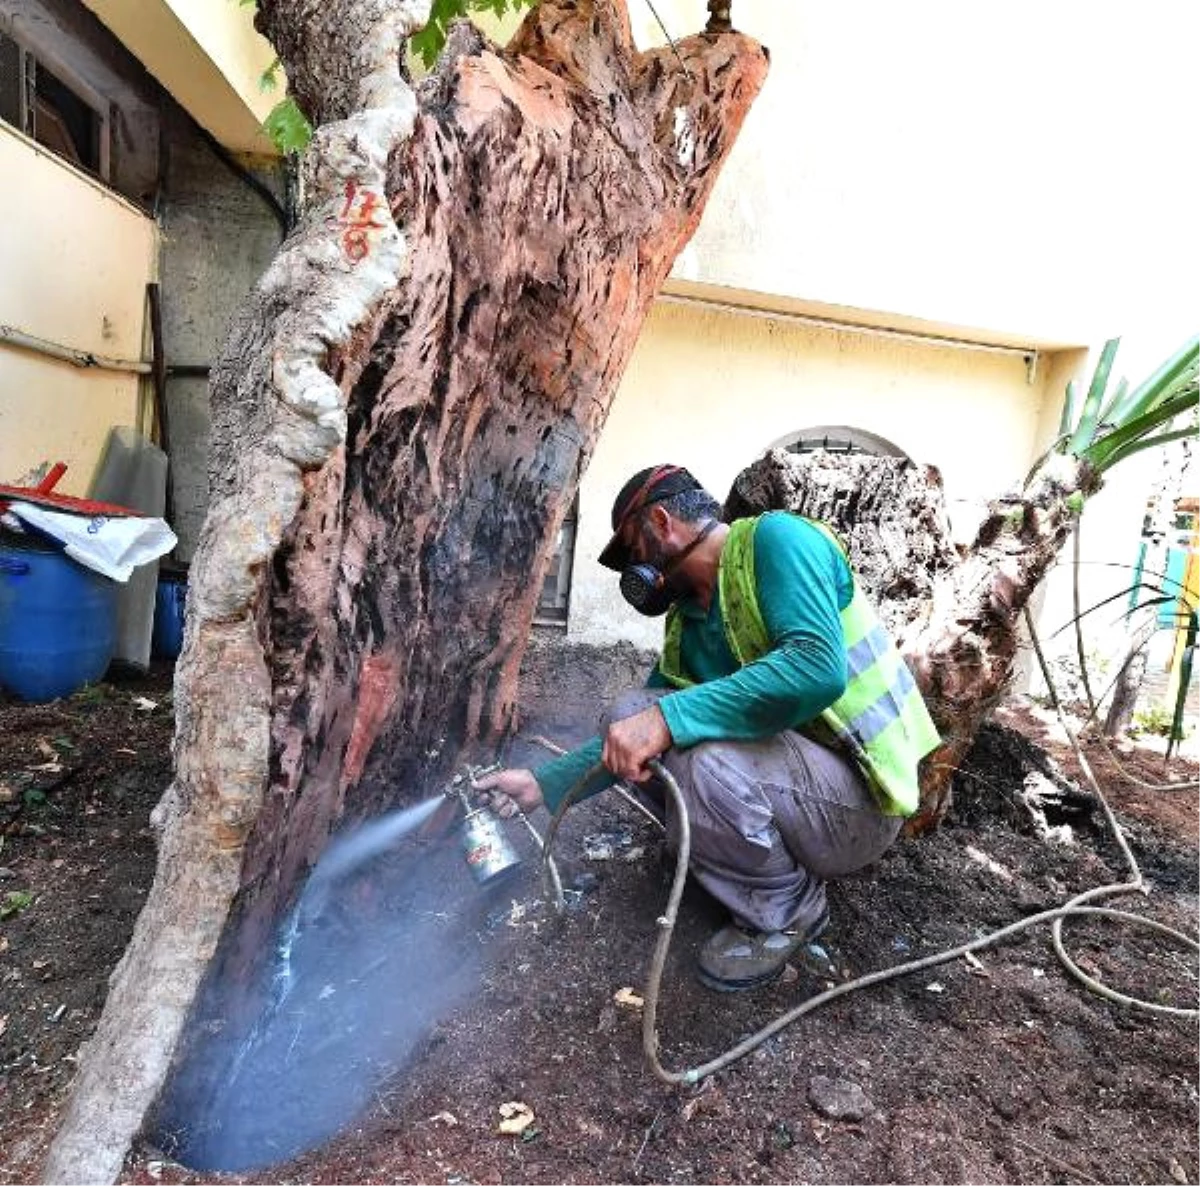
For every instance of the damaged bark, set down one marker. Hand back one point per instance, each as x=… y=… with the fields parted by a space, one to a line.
x=400 y=421
x=955 y=618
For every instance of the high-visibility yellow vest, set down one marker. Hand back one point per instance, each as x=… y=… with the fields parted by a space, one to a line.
x=880 y=719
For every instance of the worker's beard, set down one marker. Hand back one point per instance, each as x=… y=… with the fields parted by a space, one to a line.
x=656 y=555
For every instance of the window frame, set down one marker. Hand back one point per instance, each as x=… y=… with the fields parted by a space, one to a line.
x=30 y=49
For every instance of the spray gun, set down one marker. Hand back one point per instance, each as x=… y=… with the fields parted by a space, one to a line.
x=487 y=850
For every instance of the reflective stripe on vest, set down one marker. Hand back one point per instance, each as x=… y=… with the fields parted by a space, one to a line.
x=880 y=718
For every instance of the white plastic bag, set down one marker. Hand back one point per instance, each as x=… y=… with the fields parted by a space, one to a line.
x=112 y=546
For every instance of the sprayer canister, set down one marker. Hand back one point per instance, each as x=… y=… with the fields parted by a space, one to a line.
x=487 y=849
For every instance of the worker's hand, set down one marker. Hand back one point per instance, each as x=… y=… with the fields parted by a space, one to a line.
x=630 y=743
x=508 y=791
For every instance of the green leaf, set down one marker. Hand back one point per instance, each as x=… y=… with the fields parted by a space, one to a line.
x=1106 y=414
x=1068 y=412
x=427 y=44
x=287 y=127
x=14 y=902
x=1127 y=451
x=1178 y=371
x=1086 y=429
x=268 y=80
x=1102 y=454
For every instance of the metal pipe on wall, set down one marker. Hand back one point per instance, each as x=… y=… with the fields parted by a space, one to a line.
x=10 y=335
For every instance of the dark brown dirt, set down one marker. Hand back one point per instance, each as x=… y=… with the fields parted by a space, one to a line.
x=1006 y=1070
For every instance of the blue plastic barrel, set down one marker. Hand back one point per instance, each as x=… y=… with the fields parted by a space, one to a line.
x=58 y=620
x=170 y=600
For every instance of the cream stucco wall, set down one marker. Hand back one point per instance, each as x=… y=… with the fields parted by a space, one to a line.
x=74 y=263
x=1001 y=165
x=713 y=389
x=208 y=55
x=941 y=168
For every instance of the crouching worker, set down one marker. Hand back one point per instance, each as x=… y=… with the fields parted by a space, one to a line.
x=780 y=706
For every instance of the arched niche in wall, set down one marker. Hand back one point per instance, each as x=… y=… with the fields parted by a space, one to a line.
x=838 y=438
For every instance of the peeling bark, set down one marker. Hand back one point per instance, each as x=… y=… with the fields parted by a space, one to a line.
x=398 y=430
x=955 y=619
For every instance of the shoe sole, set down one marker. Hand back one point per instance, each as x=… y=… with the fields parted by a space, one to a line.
x=719 y=985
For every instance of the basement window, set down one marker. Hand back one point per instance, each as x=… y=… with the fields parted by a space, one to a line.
x=556 y=588
x=54 y=107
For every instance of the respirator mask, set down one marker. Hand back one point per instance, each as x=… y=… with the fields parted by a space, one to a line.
x=648 y=588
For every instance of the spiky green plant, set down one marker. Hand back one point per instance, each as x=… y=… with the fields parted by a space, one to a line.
x=1114 y=426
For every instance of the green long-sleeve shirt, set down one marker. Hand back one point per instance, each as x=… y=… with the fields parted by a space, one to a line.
x=803 y=584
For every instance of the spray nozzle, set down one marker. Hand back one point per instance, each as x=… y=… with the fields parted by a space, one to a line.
x=463 y=783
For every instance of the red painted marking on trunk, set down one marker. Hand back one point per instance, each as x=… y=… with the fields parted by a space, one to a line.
x=376 y=695
x=357 y=217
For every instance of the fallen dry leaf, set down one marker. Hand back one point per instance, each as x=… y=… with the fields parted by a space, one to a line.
x=706 y=1099
x=515 y=1118
x=990 y=865
x=976 y=966
x=628 y=998
x=447 y=1118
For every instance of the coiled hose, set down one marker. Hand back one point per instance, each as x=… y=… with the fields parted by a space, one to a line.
x=1079 y=905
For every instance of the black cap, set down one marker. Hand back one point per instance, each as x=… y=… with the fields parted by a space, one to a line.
x=646 y=487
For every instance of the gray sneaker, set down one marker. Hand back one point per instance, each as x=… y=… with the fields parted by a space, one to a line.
x=736 y=958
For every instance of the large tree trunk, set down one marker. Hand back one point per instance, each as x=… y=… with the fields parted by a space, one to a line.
x=400 y=421
x=955 y=619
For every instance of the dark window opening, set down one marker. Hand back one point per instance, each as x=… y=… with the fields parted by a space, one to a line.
x=50 y=110
x=556 y=588
x=64 y=123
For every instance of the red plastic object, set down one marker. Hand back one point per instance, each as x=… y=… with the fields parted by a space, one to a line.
x=42 y=495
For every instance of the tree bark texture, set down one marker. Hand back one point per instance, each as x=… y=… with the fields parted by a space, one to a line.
x=955 y=618
x=400 y=421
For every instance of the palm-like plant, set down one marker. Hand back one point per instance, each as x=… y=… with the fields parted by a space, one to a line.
x=964 y=653
x=1113 y=427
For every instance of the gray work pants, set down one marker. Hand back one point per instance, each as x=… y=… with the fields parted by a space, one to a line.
x=771 y=821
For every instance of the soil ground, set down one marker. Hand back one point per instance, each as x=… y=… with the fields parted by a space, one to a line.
x=1001 y=1069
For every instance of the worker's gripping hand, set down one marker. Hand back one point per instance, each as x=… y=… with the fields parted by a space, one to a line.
x=630 y=743
x=508 y=791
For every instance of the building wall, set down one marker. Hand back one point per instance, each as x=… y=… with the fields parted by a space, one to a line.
x=939 y=168
x=218 y=237
x=75 y=259
x=714 y=389
x=207 y=56
x=1002 y=166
